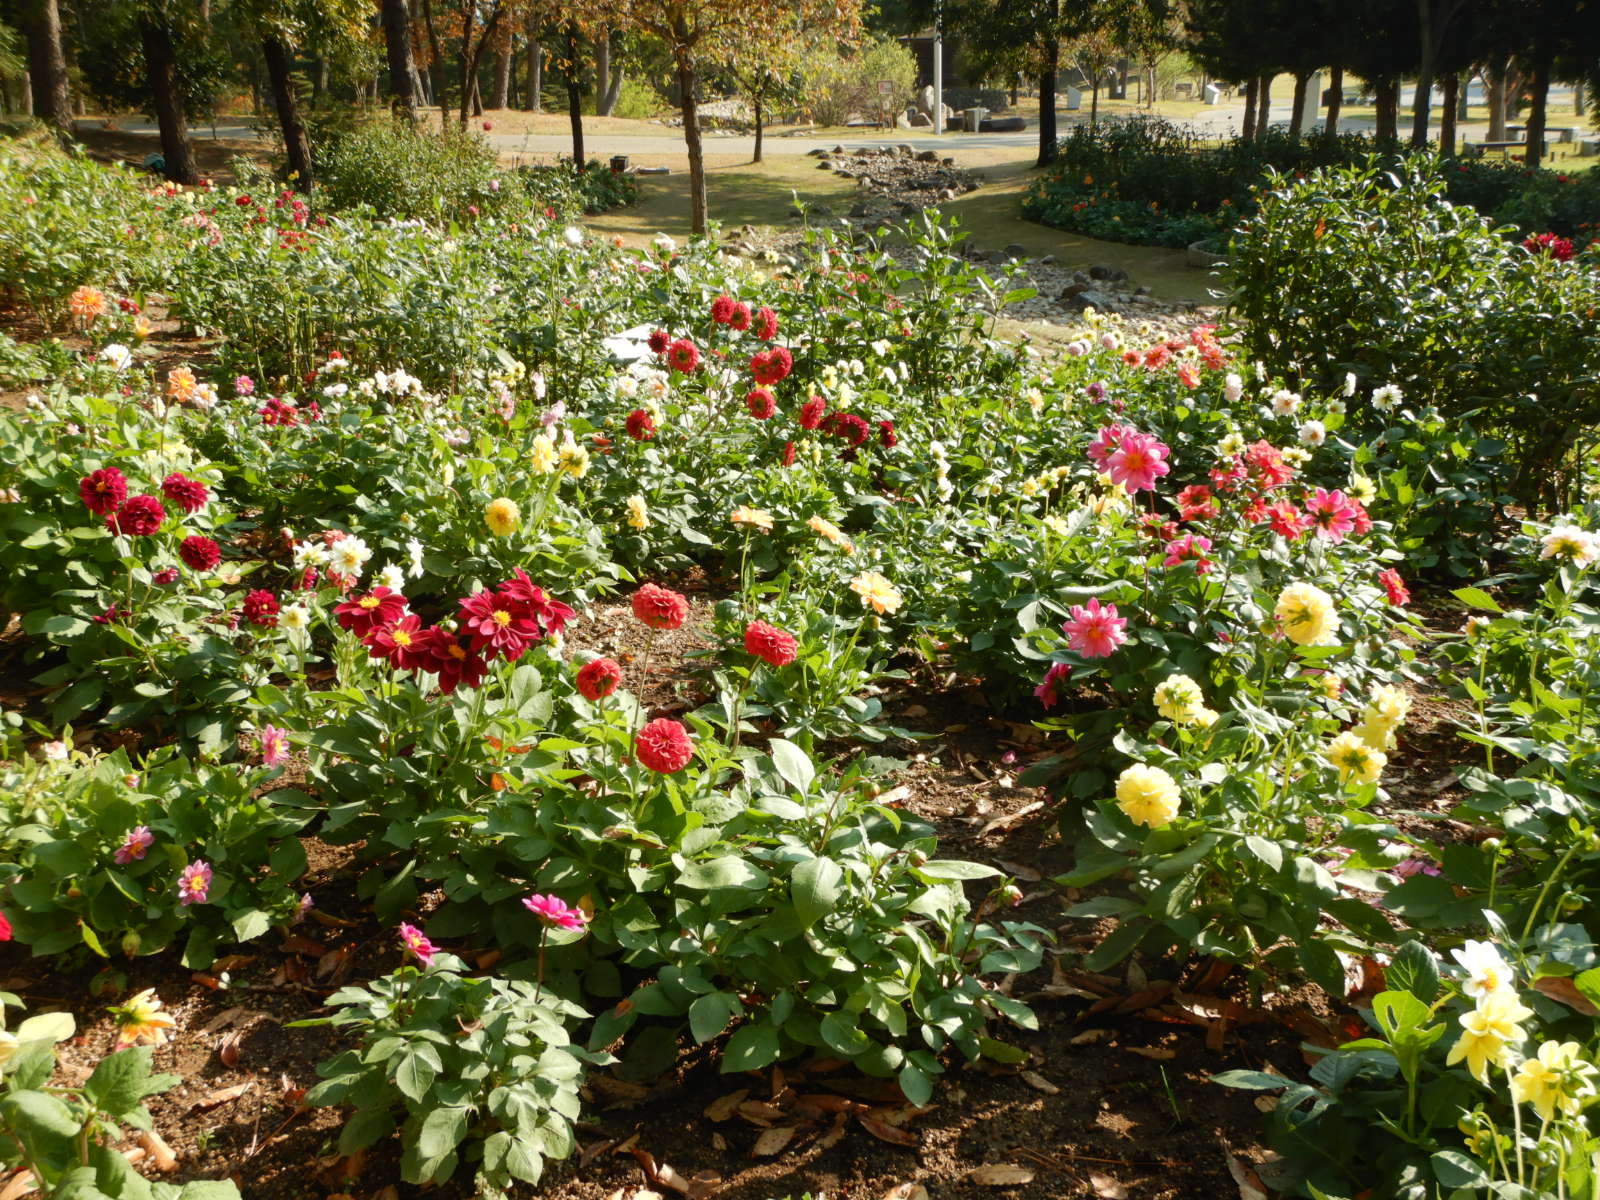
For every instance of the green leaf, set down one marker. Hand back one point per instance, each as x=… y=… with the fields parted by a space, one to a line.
x=709 y=1015
x=793 y=763
x=1588 y=982
x=121 y=1081
x=1455 y=1170
x=816 y=887
x=415 y=1076
x=1001 y=1052
x=1255 y=1081
x=1270 y=853
x=441 y=1132
x=35 y=1113
x=729 y=871
x=50 y=1027
x=955 y=868
x=367 y=1126
x=1477 y=598
x=251 y=924
x=1413 y=969
x=751 y=1048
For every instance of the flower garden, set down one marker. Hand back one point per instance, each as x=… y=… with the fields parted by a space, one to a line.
x=489 y=707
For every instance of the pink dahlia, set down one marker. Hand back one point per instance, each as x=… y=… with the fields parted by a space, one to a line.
x=1095 y=630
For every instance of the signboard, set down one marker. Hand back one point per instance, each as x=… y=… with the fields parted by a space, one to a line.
x=885 y=87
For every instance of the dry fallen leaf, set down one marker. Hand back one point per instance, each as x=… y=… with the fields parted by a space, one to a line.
x=907 y=1191
x=1250 y=1186
x=1001 y=1175
x=21 y=1184
x=228 y=1051
x=1106 y=1187
x=773 y=1141
x=724 y=1107
x=1567 y=993
x=887 y=1133
x=1159 y=1053
x=1090 y=1035
x=225 y=1018
x=834 y=1135
x=1039 y=1083
x=161 y=1156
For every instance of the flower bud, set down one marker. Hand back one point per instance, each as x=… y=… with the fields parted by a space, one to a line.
x=131 y=943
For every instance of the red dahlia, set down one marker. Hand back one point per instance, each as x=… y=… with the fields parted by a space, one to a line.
x=453 y=661
x=739 y=318
x=261 y=608
x=658 y=341
x=659 y=607
x=761 y=403
x=641 y=425
x=405 y=644
x=811 y=412
x=664 y=746
x=886 y=435
x=788 y=454
x=1395 y=586
x=766 y=323
x=550 y=615
x=139 y=517
x=498 y=624
x=771 y=366
x=722 y=309
x=598 y=678
x=199 y=553
x=103 y=491
x=683 y=356
x=5 y=928
x=189 y=494
x=364 y=615
x=770 y=644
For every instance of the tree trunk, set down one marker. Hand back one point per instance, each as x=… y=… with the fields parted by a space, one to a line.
x=602 y=69
x=319 y=80
x=574 y=99
x=161 y=66
x=1330 y=126
x=535 y=71
x=1263 y=106
x=477 y=95
x=1251 y=89
x=436 y=83
x=1534 y=154
x=27 y=93
x=402 y=67
x=1494 y=87
x=1297 y=117
x=47 y=64
x=295 y=143
x=1016 y=87
x=502 y=78
x=683 y=54
x=1049 y=135
x=606 y=104
x=1578 y=107
x=756 y=101
x=467 y=63
x=1094 y=103
x=1447 y=114
x=1386 y=93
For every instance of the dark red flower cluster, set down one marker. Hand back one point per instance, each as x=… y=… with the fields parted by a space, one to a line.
x=850 y=428
x=658 y=341
x=189 y=494
x=1261 y=468
x=641 y=426
x=761 y=403
x=199 y=553
x=261 y=608
x=722 y=309
x=887 y=438
x=664 y=746
x=739 y=319
x=770 y=644
x=598 y=678
x=277 y=412
x=513 y=617
x=659 y=607
x=364 y=615
x=139 y=517
x=811 y=412
x=766 y=323
x=771 y=366
x=1558 y=248
x=103 y=491
x=683 y=356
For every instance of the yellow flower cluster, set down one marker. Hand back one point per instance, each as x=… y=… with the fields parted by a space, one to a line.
x=1148 y=795
x=1045 y=481
x=1306 y=615
x=1493 y=1029
x=1357 y=761
x=573 y=458
x=1385 y=711
x=638 y=513
x=1180 y=700
x=1557 y=1078
x=542 y=458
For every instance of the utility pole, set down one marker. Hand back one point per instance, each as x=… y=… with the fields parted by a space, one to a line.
x=938 y=69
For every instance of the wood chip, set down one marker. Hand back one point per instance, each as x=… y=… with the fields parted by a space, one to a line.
x=222 y=1095
x=774 y=1141
x=1106 y=1187
x=1039 y=1083
x=161 y=1155
x=1089 y=1036
x=225 y=1018
x=1001 y=1175
x=1159 y=1053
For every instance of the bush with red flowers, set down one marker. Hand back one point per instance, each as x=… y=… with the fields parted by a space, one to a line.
x=261 y=608
x=761 y=403
x=103 y=491
x=199 y=552
x=140 y=516
x=188 y=494
x=683 y=356
x=771 y=366
x=641 y=426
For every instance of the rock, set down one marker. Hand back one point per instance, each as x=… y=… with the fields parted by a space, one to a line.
x=1088 y=298
x=818 y=152
x=904 y=150
x=837 y=150
x=1049 y=260
x=1071 y=291
x=948 y=162
x=907 y=209
x=1141 y=291
x=1015 y=251
x=1107 y=274
x=903 y=120
x=928 y=156
x=864 y=151
x=860 y=210
x=925 y=100
x=922 y=121
x=825 y=164
x=946 y=194
x=1002 y=125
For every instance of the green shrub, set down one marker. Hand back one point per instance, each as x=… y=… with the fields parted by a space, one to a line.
x=397 y=170
x=840 y=86
x=1374 y=272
